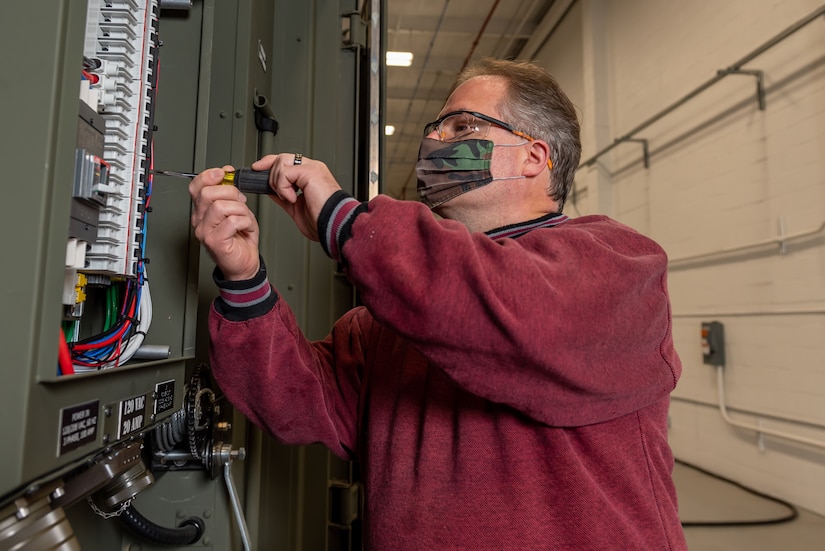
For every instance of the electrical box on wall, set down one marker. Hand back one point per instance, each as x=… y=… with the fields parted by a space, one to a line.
x=713 y=343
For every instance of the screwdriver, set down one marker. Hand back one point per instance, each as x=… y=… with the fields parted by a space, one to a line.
x=245 y=179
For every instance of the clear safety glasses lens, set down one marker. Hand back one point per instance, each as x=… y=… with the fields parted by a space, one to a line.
x=460 y=126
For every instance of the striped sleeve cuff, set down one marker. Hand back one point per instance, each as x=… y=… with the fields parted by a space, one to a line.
x=247 y=299
x=335 y=222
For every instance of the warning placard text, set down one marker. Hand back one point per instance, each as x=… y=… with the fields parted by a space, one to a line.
x=78 y=426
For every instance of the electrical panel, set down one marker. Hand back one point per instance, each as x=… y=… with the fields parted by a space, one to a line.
x=114 y=435
x=713 y=343
x=112 y=185
x=94 y=376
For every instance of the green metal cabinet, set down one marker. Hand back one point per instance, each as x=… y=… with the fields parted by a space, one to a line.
x=307 y=64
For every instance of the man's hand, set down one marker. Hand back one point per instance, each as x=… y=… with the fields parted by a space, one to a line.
x=312 y=178
x=225 y=225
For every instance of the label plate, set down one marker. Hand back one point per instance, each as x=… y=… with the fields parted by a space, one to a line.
x=164 y=396
x=132 y=415
x=78 y=426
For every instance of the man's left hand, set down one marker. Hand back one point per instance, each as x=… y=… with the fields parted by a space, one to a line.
x=312 y=178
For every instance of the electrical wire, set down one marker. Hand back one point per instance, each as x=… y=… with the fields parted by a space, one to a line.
x=117 y=345
x=64 y=357
x=111 y=307
x=124 y=328
x=793 y=513
x=91 y=77
x=128 y=315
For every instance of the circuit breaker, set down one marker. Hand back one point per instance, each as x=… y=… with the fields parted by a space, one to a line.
x=713 y=343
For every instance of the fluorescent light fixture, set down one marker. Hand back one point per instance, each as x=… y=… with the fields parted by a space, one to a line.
x=399 y=59
x=389 y=130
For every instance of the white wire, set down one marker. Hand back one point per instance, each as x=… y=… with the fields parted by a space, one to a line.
x=136 y=340
x=144 y=321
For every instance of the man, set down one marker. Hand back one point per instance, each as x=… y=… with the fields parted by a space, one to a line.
x=506 y=385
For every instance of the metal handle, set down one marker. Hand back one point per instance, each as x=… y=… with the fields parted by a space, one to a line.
x=226 y=455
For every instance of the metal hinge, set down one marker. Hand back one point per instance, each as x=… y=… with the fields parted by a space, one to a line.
x=354 y=31
x=345 y=503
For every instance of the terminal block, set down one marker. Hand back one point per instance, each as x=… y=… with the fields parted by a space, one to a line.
x=121 y=39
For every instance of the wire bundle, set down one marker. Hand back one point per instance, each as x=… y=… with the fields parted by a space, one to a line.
x=127 y=319
x=120 y=341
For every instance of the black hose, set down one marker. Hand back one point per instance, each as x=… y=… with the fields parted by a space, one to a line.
x=792 y=513
x=189 y=531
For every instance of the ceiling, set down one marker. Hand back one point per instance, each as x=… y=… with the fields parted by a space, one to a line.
x=443 y=36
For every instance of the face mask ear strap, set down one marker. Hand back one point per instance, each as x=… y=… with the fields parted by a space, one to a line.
x=532 y=139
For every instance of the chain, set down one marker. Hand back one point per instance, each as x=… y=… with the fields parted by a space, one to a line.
x=113 y=514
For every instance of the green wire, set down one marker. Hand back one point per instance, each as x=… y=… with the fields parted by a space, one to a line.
x=111 y=308
x=68 y=330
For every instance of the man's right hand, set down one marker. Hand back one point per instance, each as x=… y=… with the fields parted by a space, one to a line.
x=225 y=225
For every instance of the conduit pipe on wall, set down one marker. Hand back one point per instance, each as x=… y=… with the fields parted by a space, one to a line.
x=736 y=68
x=546 y=27
x=681 y=314
x=781 y=240
x=782 y=418
x=501 y=52
x=478 y=36
x=720 y=384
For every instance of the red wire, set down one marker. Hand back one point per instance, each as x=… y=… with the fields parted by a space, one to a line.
x=107 y=342
x=90 y=76
x=64 y=357
x=112 y=338
x=117 y=353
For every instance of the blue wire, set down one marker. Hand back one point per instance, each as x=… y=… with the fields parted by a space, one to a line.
x=107 y=352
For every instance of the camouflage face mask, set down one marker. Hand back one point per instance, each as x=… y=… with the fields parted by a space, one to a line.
x=446 y=170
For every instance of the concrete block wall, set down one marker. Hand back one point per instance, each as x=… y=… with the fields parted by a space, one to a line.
x=723 y=175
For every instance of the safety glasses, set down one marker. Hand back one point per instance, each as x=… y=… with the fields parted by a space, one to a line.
x=465 y=125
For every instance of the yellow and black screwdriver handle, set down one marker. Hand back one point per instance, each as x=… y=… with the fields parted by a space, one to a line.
x=245 y=179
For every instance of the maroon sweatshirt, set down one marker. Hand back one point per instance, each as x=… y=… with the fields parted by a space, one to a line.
x=502 y=391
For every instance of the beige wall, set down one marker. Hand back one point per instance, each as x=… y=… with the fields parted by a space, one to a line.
x=723 y=174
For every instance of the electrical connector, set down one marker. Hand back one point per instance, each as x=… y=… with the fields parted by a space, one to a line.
x=74 y=293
